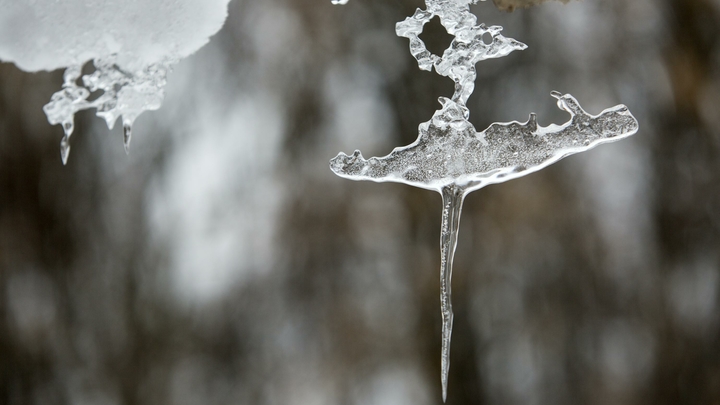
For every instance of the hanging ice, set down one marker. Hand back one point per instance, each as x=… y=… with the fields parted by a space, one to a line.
x=124 y=95
x=451 y=157
x=132 y=44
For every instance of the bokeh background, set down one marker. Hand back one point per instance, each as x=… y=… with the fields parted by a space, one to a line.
x=221 y=262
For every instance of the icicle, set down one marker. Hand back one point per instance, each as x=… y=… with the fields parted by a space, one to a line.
x=65 y=149
x=127 y=134
x=452 y=207
x=68 y=127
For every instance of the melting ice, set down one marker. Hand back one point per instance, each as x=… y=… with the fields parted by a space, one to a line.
x=132 y=44
x=452 y=158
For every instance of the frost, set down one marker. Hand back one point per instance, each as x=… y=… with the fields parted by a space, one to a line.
x=133 y=45
x=451 y=157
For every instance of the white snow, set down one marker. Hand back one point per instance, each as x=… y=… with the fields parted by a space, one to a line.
x=50 y=34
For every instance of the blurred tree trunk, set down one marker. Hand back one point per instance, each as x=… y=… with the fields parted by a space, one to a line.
x=688 y=195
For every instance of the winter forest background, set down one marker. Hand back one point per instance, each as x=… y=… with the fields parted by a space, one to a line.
x=222 y=262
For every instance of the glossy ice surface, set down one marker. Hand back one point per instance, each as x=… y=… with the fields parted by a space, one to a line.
x=449 y=152
x=452 y=158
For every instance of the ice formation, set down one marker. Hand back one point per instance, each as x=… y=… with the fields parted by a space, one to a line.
x=132 y=44
x=451 y=157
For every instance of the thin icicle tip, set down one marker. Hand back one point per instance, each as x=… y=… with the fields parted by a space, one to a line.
x=127 y=135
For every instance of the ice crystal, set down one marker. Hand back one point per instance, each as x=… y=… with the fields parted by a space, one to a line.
x=451 y=157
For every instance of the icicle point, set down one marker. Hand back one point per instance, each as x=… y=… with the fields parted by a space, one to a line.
x=68 y=128
x=127 y=135
x=65 y=149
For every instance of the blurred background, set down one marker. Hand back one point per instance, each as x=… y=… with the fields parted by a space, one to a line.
x=222 y=262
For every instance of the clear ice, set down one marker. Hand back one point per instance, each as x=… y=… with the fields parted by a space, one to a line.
x=124 y=95
x=452 y=158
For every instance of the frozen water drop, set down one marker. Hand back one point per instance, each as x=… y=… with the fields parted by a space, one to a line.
x=127 y=135
x=65 y=149
x=68 y=127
